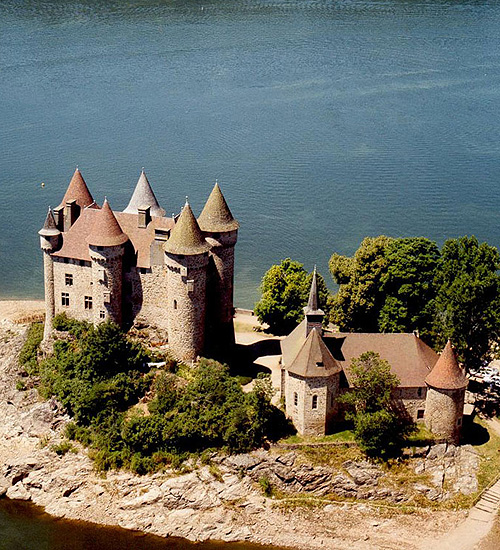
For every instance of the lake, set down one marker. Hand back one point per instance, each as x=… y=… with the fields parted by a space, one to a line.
x=323 y=121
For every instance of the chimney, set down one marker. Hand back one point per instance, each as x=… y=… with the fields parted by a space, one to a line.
x=59 y=217
x=71 y=212
x=144 y=216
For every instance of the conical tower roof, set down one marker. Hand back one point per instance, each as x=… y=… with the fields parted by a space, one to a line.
x=49 y=228
x=143 y=196
x=314 y=358
x=216 y=216
x=77 y=190
x=312 y=304
x=106 y=230
x=186 y=237
x=447 y=374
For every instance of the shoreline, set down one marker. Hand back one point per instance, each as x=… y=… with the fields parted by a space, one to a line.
x=197 y=505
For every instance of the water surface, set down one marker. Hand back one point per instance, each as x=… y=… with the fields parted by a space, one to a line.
x=324 y=121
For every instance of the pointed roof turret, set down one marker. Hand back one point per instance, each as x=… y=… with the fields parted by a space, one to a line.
x=216 y=216
x=106 y=230
x=143 y=196
x=49 y=228
x=78 y=191
x=312 y=304
x=186 y=237
x=314 y=359
x=447 y=374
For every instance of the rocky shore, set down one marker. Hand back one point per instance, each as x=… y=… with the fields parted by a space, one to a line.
x=221 y=501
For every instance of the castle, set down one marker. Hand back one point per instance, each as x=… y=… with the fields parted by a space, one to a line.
x=315 y=371
x=175 y=273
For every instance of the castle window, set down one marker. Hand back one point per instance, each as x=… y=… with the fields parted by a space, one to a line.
x=459 y=421
x=419 y=392
x=102 y=314
x=175 y=304
x=65 y=299
x=420 y=414
x=190 y=285
x=107 y=297
x=82 y=263
x=66 y=260
x=295 y=399
x=68 y=279
x=315 y=402
x=88 y=302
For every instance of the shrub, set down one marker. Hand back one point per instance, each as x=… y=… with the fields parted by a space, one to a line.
x=29 y=351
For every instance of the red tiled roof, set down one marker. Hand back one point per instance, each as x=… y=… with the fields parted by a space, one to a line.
x=106 y=231
x=77 y=190
x=75 y=239
x=409 y=357
x=447 y=374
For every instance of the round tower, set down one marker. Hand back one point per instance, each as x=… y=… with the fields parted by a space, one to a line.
x=444 y=403
x=221 y=232
x=49 y=242
x=186 y=259
x=106 y=240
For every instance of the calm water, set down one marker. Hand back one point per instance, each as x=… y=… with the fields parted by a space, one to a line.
x=26 y=527
x=324 y=121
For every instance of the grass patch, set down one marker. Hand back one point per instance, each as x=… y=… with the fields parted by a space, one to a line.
x=344 y=436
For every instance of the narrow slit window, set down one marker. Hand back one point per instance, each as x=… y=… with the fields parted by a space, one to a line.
x=420 y=414
x=102 y=314
x=175 y=304
x=315 y=402
x=295 y=399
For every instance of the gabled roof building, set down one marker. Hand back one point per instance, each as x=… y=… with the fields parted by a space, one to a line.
x=315 y=371
x=138 y=264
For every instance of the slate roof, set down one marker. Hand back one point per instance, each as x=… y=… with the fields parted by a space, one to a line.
x=77 y=190
x=312 y=304
x=313 y=359
x=216 y=216
x=447 y=373
x=49 y=228
x=106 y=230
x=143 y=196
x=409 y=357
x=186 y=237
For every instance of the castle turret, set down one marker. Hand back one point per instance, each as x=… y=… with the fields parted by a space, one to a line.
x=106 y=240
x=76 y=198
x=221 y=231
x=186 y=258
x=49 y=242
x=143 y=198
x=313 y=314
x=445 y=396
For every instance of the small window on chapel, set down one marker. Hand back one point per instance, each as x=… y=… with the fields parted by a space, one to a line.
x=295 y=399
x=68 y=278
x=315 y=402
x=65 y=299
x=420 y=414
x=88 y=302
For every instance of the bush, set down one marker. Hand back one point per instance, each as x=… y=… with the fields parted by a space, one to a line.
x=29 y=351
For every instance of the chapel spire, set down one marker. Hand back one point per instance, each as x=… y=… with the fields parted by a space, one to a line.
x=314 y=315
x=144 y=197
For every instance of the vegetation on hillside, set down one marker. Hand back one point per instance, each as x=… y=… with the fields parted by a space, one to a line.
x=100 y=376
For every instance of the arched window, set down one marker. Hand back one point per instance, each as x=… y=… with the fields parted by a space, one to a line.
x=175 y=304
x=295 y=399
x=315 y=402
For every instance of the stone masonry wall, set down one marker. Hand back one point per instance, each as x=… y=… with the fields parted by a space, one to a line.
x=186 y=308
x=81 y=287
x=444 y=412
x=413 y=400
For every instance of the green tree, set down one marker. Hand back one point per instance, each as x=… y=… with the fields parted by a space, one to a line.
x=357 y=304
x=285 y=290
x=380 y=425
x=468 y=298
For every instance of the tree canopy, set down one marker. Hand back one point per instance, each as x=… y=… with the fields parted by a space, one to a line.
x=285 y=290
x=380 y=425
x=408 y=284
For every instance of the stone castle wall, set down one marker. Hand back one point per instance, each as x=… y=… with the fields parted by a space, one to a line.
x=81 y=287
x=444 y=412
x=186 y=309
x=308 y=420
x=413 y=400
